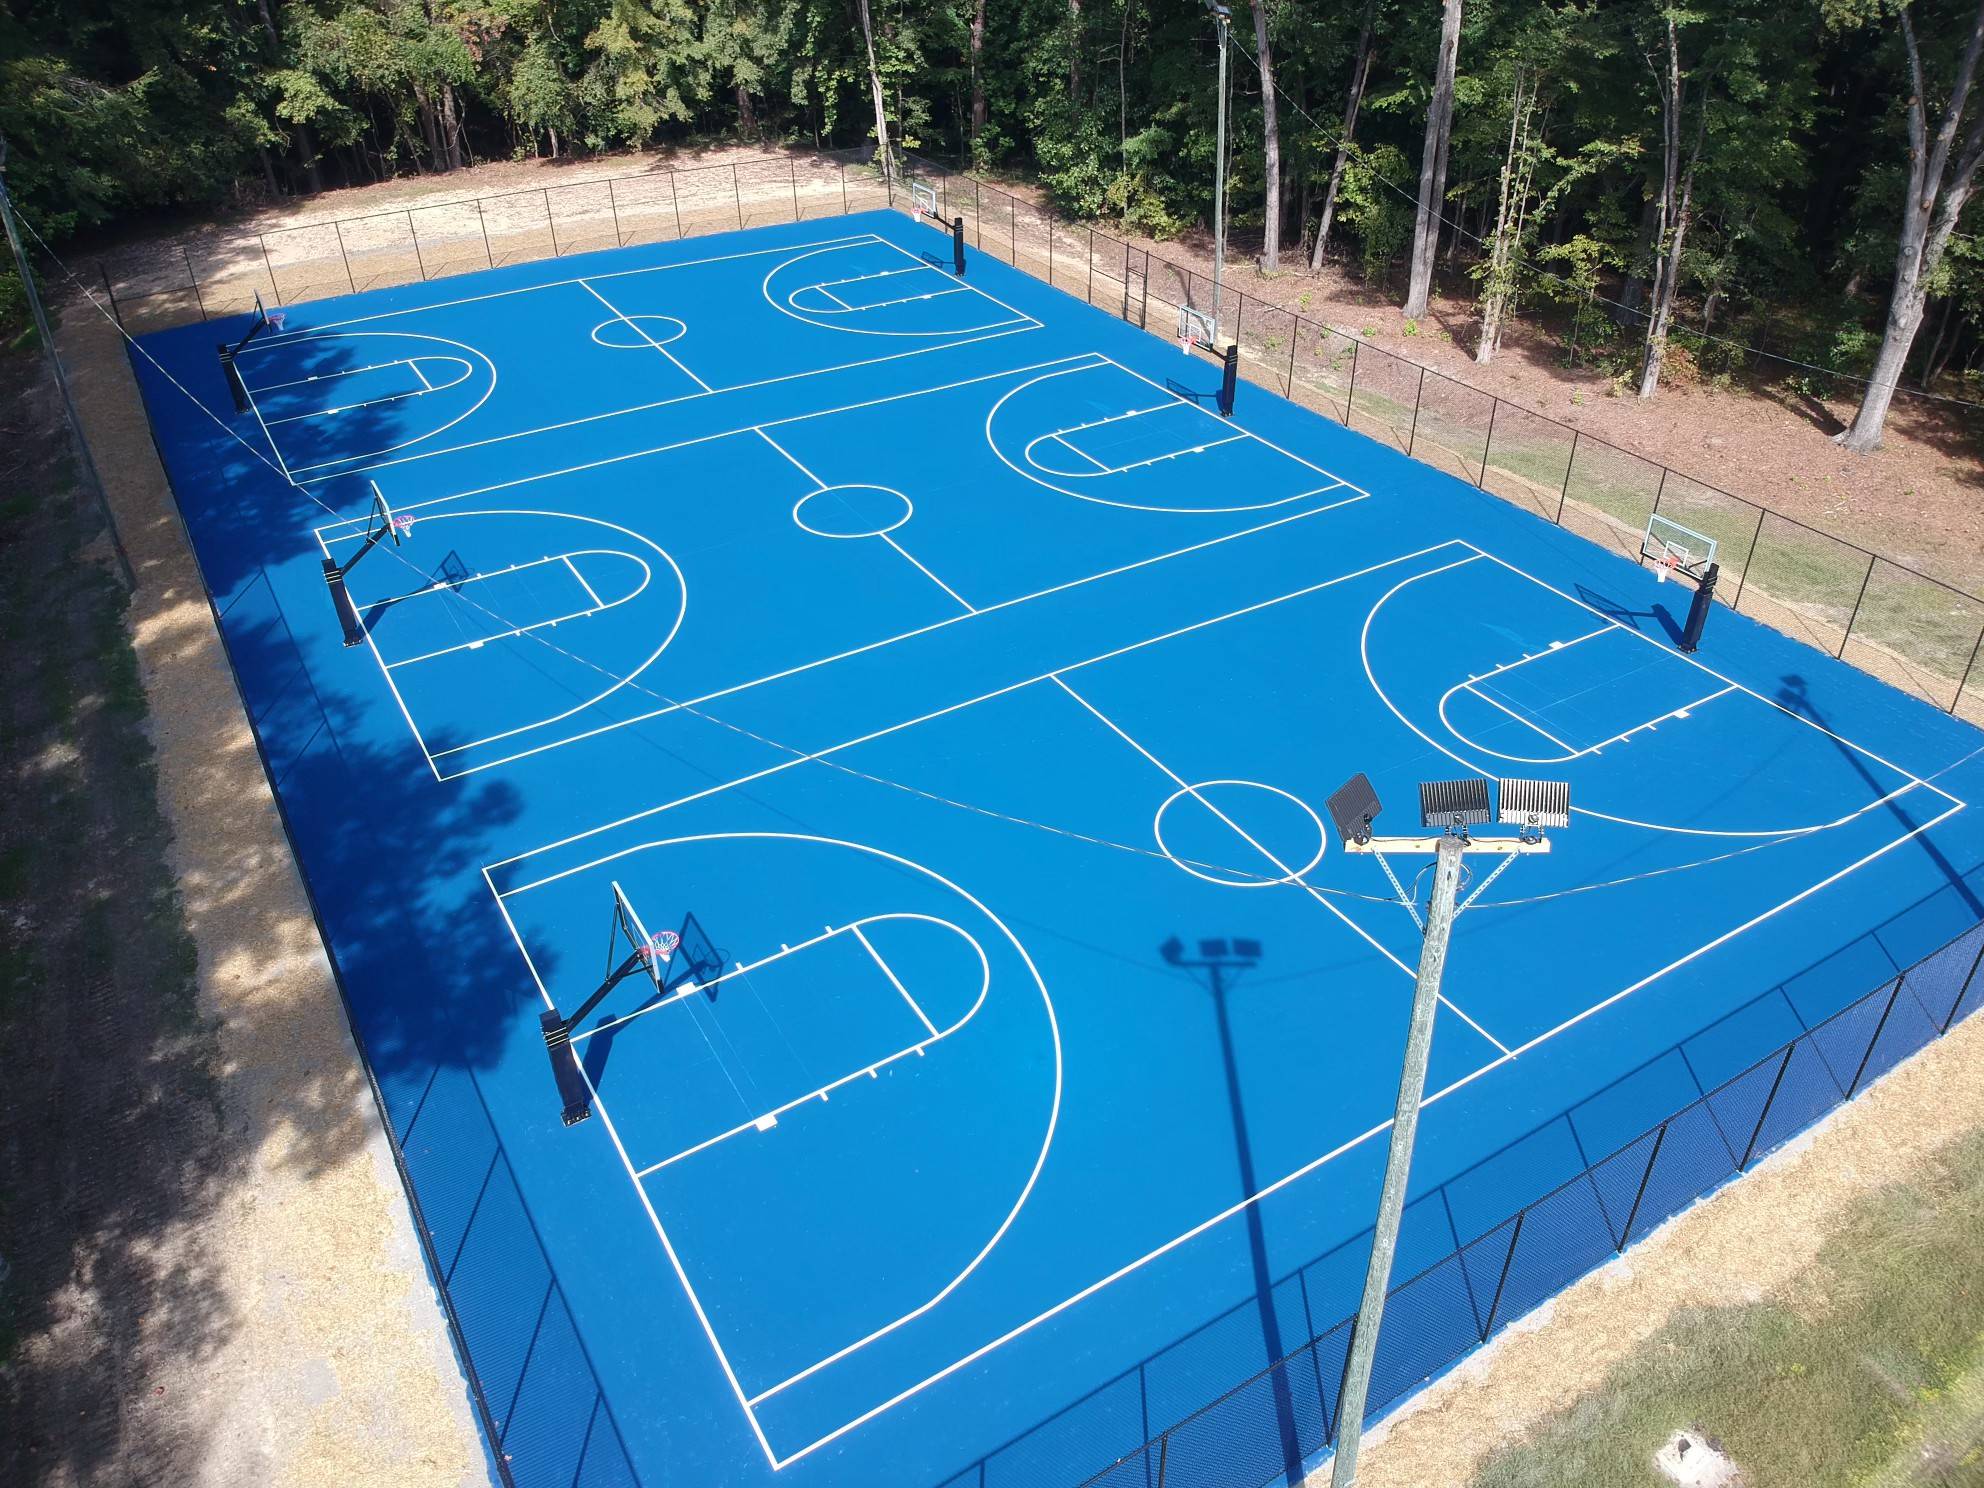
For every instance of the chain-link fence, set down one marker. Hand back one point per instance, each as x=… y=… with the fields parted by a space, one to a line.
x=1277 y=1422
x=1911 y=630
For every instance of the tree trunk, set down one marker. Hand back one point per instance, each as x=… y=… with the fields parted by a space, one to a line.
x=1639 y=272
x=1938 y=188
x=978 y=110
x=451 y=128
x=1270 y=143
x=747 y=119
x=1122 y=85
x=1074 y=50
x=1677 y=191
x=882 y=145
x=1501 y=247
x=1433 y=165
x=1360 y=74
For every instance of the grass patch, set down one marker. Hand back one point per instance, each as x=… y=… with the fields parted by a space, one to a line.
x=1869 y=1373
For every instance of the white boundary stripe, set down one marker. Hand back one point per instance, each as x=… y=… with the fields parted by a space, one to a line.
x=349 y=460
x=894 y=981
x=735 y=387
x=274 y=448
x=668 y=1249
x=414 y=366
x=1033 y=1177
x=792 y=671
x=263 y=343
x=1479 y=554
x=1571 y=751
x=1288 y=875
x=969 y=608
x=1274 y=1187
x=804 y=317
x=1094 y=361
x=997 y=692
x=598 y=603
x=641 y=331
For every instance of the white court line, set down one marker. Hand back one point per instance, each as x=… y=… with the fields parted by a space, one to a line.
x=825 y=284
x=1026 y=1190
x=804 y=317
x=921 y=630
x=834 y=297
x=894 y=981
x=414 y=366
x=461 y=346
x=598 y=603
x=794 y=459
x=1913 y=780
x=386 y=671
x=1571 y=751
x=968 y=606
x=641 y=331
x=935 y=713
x=668 y=1248
x=263 y=343
x=1288 y=874
x=274 y=448
x=1292 y=1177
x=966 y=339
x=1075 y=449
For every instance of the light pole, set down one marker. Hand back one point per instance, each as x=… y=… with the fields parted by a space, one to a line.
x=1447 y=808
x=1222 y=19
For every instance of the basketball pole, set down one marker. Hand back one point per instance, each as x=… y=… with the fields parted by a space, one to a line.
x=1398 y=1166
x=1222 y=18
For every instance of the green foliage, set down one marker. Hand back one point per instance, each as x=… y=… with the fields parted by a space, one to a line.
x=14 y=321
x=1379 y=215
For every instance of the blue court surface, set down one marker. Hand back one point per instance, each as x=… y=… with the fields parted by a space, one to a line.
x=934 y=658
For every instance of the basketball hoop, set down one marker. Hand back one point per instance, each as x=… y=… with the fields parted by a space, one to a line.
x=402 y=523
x=660 y=947
x=1667 y=564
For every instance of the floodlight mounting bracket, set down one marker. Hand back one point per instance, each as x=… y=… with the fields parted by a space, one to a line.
x=1430 y=843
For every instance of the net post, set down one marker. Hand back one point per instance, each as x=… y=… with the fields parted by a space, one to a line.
x=1698 y=608
x=572 y=1093
x=957 y=245
x=237 y=389
x=1229 y=379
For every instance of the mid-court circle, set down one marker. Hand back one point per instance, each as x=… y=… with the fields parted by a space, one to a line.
x=852 y=511
x=637 y=332
x=1236 y=822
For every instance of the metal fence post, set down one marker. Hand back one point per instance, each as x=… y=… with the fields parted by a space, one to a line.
x=275 y=289
x=1963 y=991
x=194 y=280
x=1571 y=464
x=1050 y=248
x=1859 y=600
x=843 y=188
x=1756 y=536
x=118 y=315
x=1626 y=1234
x=1163 y=1452
x=1961 y=682
x=551 y=222
x=1294 y=340
x=1756 y=1132
x=792 y=177
x=344 y=253
x=1861 y=1069
x=1090 y=295
x=613 y=205
x=1350 y=395
x=1661 y=489
x=1494 y=1305
x=1418 y=397
x=1494 y=408
x=736 y=196
x=414 y=233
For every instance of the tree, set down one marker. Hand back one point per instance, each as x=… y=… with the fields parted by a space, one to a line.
x=1270 y=142
x=1676 y=200
x=1360 y=77
x=1941 y=175
x=1433 y=164
x=875 y=91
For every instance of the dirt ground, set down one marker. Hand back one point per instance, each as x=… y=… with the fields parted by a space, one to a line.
x=1916 y=500
x=210 y=1276
x=1753 y=1239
